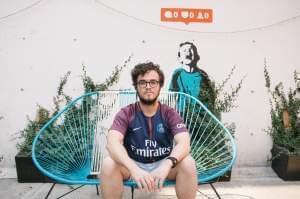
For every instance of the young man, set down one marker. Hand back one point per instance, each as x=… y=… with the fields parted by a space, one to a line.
x=140 y=142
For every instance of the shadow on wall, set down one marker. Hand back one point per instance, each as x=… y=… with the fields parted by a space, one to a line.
x=1 y=156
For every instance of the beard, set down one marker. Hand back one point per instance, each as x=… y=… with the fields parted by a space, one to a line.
x=147 y=101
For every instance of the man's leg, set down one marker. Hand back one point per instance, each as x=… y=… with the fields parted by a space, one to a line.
x=186 y=178
x=112 y=179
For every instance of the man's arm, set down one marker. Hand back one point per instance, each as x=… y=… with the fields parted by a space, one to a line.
x=182 y=146
x=119 y=154
x=117 y=151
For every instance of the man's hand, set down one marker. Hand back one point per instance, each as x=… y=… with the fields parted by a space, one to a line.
x=161 y=173
x=144 y=179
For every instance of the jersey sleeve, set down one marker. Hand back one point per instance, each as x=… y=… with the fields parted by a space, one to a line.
x=120 y=122
x=175 y=122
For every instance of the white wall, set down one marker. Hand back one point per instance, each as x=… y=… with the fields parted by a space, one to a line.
x=39 y=44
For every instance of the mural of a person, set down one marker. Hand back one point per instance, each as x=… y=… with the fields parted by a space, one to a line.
x=189 y=78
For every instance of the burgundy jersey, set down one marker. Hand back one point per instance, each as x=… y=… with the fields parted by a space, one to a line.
x=148 y=139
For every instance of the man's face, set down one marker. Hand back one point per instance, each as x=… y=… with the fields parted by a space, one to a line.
x=148 y=87
x=186 y=54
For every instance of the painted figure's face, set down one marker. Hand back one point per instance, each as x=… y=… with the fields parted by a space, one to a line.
x=148 y=87
x=186 y=54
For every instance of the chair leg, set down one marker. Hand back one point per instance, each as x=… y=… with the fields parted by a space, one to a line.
x=132 y=192
x=97 y=189
x=70 y=191
x=50 y=190
x=215 y=190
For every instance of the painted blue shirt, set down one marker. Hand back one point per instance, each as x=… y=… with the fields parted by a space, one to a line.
x=186 y=82
x=148 y=139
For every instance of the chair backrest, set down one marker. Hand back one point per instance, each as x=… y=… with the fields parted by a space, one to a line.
x=71 y=146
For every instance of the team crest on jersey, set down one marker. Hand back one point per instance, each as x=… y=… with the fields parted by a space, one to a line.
x=160 y=128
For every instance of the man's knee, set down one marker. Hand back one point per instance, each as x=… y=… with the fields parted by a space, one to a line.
x=109 y=164
x=187 y=165
x=110 y=167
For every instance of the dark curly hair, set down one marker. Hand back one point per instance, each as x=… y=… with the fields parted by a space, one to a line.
x=143 y=68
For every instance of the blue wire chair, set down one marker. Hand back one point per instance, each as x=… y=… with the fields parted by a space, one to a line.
x=70 y=148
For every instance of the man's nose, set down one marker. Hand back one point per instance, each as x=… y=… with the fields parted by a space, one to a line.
x=148 y=85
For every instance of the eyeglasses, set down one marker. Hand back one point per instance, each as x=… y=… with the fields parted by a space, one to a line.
x=152 y=83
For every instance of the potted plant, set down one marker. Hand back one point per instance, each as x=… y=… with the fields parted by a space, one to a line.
x=284 y=129
x=26 y=171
